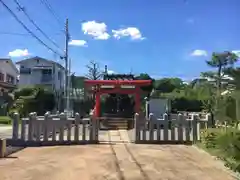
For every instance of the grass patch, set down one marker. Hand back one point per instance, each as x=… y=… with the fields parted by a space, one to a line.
x=223 y=144
x=6 y=120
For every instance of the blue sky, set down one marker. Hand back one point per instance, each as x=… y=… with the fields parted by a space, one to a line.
x=163 y=38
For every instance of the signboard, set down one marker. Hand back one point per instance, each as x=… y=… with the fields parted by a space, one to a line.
x=159 y=106
x=107 y=86
x=127 y=87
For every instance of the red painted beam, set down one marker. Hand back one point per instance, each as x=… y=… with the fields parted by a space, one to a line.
x=118 y=91
x=118 y=82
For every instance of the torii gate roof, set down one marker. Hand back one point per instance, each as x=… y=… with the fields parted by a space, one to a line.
x=118 y=82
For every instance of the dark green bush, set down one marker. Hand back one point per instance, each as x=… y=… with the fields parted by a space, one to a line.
x=34 y=99
x=26 y=91
x=209 y=138
x=225 y=144
x=229 y=143
x=184 y=104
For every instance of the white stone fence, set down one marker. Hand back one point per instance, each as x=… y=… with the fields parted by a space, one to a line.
x=53 y=129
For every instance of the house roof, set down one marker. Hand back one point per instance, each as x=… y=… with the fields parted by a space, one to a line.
x=11 y=63
x=40 y=58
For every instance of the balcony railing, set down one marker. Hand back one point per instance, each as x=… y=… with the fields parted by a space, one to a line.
x=7 y=85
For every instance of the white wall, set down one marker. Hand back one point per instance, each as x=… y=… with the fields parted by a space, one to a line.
x=24 y=79
x=35 y=76
x=7 y=68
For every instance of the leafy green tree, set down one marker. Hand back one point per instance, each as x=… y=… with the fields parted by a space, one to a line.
x=198 y=82
x=167 y=85
x=234 y=78
x=77 y=81
x=33 y=99
x=44 y=101
x=220 y=61
x=145 y=76
x=234 y=87
x=26 y=91
x=6 y=101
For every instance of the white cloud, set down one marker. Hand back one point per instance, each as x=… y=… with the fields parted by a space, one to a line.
x=111 y=72
x=237 y=52
x=19 y=53
x=78 y=43
x=199 y=52
x=132 y=32
x=95 y=29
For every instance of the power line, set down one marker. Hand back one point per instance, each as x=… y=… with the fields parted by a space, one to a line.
x=13 y=33
x=18 y=34
x=50 y=9
x=27 y=29
x=31 y=20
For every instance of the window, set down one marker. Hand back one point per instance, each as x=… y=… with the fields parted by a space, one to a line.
x=1 y=91
x=25 y=70
x=10 y=79
x=47 y=71
x=59 y=75
x=1 y=76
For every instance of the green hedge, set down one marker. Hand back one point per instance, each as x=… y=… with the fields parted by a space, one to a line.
x=184 y=104
x=33 y=99
x=223 y=144
x=5 y=120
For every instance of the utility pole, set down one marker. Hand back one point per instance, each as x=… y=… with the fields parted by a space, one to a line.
x=69 y=86
x=66 y=94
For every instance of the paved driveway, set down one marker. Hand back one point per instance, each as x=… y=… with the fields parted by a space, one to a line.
x=113 y=161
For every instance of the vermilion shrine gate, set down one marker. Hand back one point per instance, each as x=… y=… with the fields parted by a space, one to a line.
x=99 y=87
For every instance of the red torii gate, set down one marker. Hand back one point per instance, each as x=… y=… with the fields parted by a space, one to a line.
x=117 y=86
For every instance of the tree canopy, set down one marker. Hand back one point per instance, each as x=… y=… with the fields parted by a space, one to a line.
x=145 y=76
x=167 y=85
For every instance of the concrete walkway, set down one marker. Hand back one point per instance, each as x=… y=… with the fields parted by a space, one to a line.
x=116 y=159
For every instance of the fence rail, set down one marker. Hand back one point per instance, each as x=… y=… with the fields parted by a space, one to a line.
x=53 y=130
x=170 y=129
x=62 y=130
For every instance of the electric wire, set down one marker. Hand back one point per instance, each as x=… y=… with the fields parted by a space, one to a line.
x=54 y=14
x=32 y=21
x=27 y=29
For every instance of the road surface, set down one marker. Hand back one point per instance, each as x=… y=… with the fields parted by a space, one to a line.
x=113 y=161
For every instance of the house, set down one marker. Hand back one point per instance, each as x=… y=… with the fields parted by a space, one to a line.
x=8 y=75
x=44 y=72
x=40 y=71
